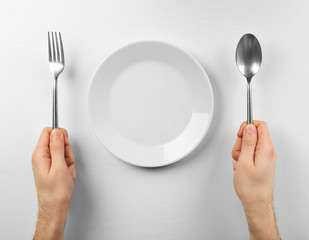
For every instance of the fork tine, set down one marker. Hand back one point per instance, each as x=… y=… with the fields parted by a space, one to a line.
x=61 y=49
x=53 y=48
x=49 y=50
x=57 y=48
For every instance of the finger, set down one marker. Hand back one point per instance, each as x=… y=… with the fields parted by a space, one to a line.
x=264 y=149
x=65 y=133
x=74 y=175
x=70 y=161
x=69 y=156
x=256 y=123
x=248 y=146
x=241 y=129
x=264 y=135
x=66 y=139
x=44 y=138
x=73 y=171
x=236 y=149
x=57 y=148
x=41 y=155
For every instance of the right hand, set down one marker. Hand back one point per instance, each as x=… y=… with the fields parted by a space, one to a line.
x=54 y=173
x=254 y=165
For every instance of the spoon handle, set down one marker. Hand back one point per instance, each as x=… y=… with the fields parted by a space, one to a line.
x=249 y=104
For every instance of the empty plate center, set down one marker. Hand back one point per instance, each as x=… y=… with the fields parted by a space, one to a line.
x=150 y=102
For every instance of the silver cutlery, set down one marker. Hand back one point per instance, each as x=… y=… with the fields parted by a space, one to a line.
x=56 y=66
x=248 y=60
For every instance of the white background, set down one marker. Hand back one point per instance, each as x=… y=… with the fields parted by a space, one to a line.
x=192 y=199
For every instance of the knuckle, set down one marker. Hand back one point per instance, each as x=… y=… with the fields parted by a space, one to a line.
x=270 y=150
x=64 y=131
x=273 y=154
x=258 y=148
x=235 y=155
x=263 y=124
x=47 y=129
x=242 y=165
x=54 y=147
x=249 y=142
x=35 y=156
x=68 y=146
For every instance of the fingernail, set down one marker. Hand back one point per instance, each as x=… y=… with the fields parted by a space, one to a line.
x=55 y=133
x=250 y=129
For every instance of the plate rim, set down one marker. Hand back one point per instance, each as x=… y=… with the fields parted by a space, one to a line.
x=189 y=55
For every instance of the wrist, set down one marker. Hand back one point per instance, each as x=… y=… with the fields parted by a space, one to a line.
x=262 y=221
x=55 y=210
x=51 y=221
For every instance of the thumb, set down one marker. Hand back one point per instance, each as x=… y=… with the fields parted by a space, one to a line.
x=57 y=147
x=249 y=141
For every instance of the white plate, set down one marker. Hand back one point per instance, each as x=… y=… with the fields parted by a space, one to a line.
x=150 y=103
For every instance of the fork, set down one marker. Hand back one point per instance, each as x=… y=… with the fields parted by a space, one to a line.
x=56 y=66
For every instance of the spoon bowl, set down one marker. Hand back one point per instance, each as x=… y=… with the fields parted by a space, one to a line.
x=248 y=55
x=248 y=60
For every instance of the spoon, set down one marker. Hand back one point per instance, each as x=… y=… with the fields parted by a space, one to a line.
x=248 y=60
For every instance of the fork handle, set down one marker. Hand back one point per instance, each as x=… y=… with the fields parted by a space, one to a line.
x=55 y=123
